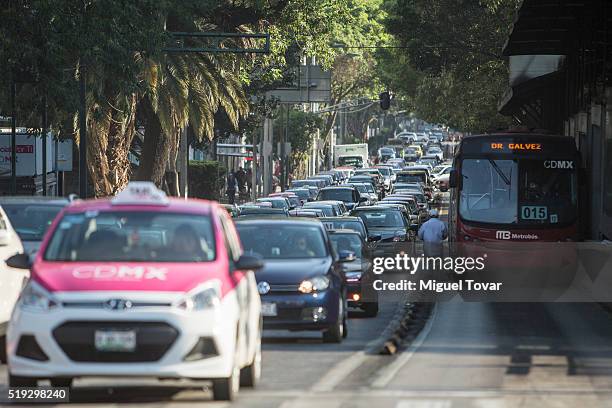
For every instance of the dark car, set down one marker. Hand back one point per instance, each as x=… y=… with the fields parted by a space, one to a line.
x=310 y=213
x=347 y=194
x=358 y=273
x=349 y=223
x=31 y=216
x=277 y=202
x=329 y=210
x=390 y=226
x=302 y=193
x=302 y=284
x=262 y=212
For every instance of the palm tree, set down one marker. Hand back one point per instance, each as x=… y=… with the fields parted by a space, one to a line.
x=184 y=90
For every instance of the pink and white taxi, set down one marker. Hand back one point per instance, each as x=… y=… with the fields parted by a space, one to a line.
x=138 y=285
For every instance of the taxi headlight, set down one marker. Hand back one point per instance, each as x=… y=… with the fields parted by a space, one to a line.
x=315 y=284
x=36 y=298
x=202 y=298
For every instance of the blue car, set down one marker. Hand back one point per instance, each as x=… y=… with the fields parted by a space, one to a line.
x=302 y=284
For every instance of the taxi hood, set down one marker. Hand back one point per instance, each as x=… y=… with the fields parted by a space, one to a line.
x=130 y=276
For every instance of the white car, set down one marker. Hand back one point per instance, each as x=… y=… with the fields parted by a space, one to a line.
x=139 y=286
x=12 y=279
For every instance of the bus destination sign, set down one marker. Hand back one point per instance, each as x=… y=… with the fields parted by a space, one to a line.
x=510 y=147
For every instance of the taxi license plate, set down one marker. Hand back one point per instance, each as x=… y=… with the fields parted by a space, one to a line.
x=268 y=309
x=115 y=340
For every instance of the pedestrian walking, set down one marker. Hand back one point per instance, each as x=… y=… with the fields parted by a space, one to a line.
x=232 y=185
x=433 y=232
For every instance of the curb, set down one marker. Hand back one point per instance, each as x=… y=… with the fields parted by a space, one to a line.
x=408 y=321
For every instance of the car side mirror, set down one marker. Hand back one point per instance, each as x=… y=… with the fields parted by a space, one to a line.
x=5 y=237
x=453 y=181
x=346 y=256
x=19 y=261
x=249 y=262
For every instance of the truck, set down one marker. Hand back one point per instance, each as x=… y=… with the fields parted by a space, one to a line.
x=355 y=155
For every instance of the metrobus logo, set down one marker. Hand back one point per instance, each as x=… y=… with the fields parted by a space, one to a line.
x=509 y=235
x=503 y=234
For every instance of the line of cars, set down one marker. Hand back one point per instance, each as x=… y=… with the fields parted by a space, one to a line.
x=149 y=286
x=318 y=239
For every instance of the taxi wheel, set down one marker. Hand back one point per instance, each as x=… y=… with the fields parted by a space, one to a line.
x=17 y=381
x=226 y=389
x=370 y=309
x=249 y=375
x=335 y=334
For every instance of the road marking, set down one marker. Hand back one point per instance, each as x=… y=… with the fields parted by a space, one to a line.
x=423 y=403
x=339 y=372
x=384 y=376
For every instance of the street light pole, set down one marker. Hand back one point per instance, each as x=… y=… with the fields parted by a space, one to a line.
x=13 y=138
x=44 y=145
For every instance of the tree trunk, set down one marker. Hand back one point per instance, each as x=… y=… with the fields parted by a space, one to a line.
x=156 y=147
x=109 y=144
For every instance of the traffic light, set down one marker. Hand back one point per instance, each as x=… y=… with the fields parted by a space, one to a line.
x=385 y=100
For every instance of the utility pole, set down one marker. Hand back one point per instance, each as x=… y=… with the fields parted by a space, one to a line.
x=13 y=138
x=44 y=145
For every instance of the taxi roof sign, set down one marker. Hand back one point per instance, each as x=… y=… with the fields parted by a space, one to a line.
x=141 y=193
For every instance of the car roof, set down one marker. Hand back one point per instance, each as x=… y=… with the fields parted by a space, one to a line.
x=34 y=200
x=282 y=220
x=343 y=232
x=344 y=187
x=347 y=218
x=192 y=205
x=372 y=207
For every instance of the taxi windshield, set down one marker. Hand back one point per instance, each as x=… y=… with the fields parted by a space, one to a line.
x=131 y=236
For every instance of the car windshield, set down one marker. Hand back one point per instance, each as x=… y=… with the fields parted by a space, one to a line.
x=385 y=171
x=341 y=194
x=280 y=203
x=31 y=221
x=409 y=178
x=282 y=241
x=517 y=192
x=132 y=237
x=350 y=161
x=352 y=225
x=346 y=242
x=328 y=210
x=381 y=219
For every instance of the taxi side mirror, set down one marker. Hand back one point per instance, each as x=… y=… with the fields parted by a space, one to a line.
x=249 y=262
x=19 y=261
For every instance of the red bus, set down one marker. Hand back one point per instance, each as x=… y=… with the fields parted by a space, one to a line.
x=514 y=187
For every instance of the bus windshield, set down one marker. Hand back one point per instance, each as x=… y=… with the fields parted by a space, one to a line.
x=522 y=191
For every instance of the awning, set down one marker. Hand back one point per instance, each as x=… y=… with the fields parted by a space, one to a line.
x=546 y=27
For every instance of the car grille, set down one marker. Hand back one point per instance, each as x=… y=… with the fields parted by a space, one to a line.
x=153 y=339
x=283 y=288
x=103 y=305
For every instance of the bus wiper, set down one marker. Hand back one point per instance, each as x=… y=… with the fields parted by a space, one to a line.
x=499 y=171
